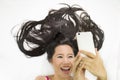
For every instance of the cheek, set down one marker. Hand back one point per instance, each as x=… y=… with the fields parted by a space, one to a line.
x=72 y=61
x=56 y=62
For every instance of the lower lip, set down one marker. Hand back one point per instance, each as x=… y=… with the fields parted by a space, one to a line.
x=66 y=72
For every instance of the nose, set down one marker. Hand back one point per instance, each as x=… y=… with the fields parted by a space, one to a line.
x=66 y=60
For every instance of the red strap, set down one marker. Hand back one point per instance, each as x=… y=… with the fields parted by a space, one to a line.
x=47 y=77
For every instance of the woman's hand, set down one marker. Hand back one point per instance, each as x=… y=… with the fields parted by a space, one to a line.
x=78 y=70
x=94 y=64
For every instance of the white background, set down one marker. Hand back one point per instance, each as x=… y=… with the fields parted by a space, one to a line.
x=13 y=63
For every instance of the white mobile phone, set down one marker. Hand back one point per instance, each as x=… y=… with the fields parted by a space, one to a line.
x=85 y=41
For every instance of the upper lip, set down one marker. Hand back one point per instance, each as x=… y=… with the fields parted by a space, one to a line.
x=66 y=68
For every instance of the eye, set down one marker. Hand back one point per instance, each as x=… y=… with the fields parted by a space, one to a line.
x=70 y=56
x=59 y=57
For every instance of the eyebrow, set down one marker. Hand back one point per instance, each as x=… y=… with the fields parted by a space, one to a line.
x=59 y=54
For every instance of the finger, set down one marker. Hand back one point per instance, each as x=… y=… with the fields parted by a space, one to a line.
x=88 y=54
x=76 y=63
x=86 y=59
x=80 y=64
x=77 y=56
x=87 y=66
x=80 y=67
x=77 y=59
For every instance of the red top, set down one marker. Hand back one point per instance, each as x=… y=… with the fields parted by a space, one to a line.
x=47 y=78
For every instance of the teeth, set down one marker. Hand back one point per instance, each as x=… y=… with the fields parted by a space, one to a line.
x=65 y=68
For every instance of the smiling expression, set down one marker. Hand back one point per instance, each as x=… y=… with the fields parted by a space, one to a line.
x=62 y=60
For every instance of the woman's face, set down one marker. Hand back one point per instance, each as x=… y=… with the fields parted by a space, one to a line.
x=62 y=60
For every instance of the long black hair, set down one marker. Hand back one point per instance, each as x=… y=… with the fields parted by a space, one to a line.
x=65 y=21
x=60 y=40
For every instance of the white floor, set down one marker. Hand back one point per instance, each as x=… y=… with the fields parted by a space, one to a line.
x=15 y=66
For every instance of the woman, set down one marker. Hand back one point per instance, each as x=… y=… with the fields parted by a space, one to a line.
x=36 y=37
x=70 y=65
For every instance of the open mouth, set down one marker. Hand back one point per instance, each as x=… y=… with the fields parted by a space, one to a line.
x=65 y=70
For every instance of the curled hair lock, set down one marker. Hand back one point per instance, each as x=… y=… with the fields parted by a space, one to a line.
x=37 y=35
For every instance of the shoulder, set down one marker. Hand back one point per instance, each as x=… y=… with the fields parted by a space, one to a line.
x=40 y=78
x=43 y=77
